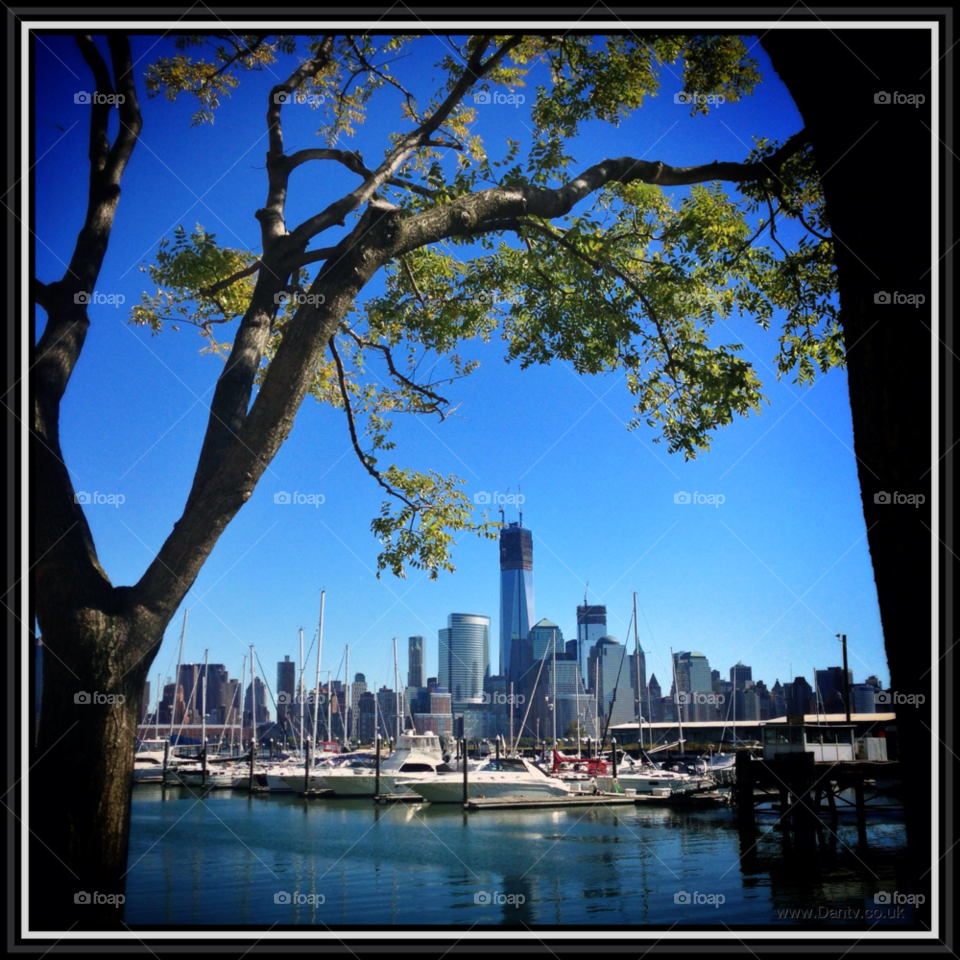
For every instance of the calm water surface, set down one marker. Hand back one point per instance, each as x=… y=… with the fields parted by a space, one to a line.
x=232 y=859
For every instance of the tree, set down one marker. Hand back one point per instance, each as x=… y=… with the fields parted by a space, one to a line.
x=884 y=245
x=632 y=284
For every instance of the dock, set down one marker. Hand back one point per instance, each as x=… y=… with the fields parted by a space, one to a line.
x=399 y=798
x=541 y=803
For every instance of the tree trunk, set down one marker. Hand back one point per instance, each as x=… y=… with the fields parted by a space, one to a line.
x=883 y=245
x=82 y=778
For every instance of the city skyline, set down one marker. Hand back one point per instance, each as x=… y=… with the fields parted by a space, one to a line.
x=780 y=567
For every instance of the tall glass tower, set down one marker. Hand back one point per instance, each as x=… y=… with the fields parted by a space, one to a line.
x=516 y=599
x=464 y=656
x=416 y=668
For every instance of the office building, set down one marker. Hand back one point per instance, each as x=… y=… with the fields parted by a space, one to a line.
x=416 y=663
x=286 y=689
x=591 y=626
x=464 y=656
x=516 y=599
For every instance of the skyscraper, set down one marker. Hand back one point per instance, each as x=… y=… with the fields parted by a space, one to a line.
x=464 y=656
x=286 y=688
x=591 y=626
x=416 y=668
x=516 y=598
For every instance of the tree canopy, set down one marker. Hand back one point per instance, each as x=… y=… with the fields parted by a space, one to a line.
x=601 y=267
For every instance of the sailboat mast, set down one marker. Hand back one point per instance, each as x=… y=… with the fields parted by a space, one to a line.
x=253 y=714
x=553 y=696
x=176 y=678
x=676 y=687
x=349 y=703
x=203 y=716
x=316 y=688
x=300 y=743
x=636 y=653
x=329 y=708
x=396 y=686
x=238 y=708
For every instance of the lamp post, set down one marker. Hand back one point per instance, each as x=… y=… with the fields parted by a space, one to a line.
x=842 y=637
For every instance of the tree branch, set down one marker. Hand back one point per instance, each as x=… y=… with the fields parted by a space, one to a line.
x=368 y=466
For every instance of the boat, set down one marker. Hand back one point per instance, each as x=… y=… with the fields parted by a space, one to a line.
x=514 y=778
x=416 y=755
x=148 y=761
x=295 y=777
x=217 y=777
x=647 y=779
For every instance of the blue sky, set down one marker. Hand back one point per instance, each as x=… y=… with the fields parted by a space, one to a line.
x=769 y=577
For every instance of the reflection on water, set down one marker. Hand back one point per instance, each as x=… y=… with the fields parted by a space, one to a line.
x=236 y=859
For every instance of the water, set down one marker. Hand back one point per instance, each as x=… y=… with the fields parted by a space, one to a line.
x=235 y=859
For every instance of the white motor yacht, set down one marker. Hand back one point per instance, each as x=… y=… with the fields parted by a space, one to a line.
x=503 y=778
x=645 y=778
x=416 y=755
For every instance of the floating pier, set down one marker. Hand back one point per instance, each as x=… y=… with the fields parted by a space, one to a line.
x=399 y=798
x=540 y=803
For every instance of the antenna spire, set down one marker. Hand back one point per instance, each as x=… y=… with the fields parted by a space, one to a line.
x=520 y=504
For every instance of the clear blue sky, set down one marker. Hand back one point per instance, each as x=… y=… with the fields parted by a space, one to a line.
x=769 y=577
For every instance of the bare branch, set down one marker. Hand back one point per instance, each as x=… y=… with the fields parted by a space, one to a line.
x=368 y=466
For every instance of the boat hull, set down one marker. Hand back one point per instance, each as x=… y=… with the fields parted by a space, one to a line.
x=451 y=790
